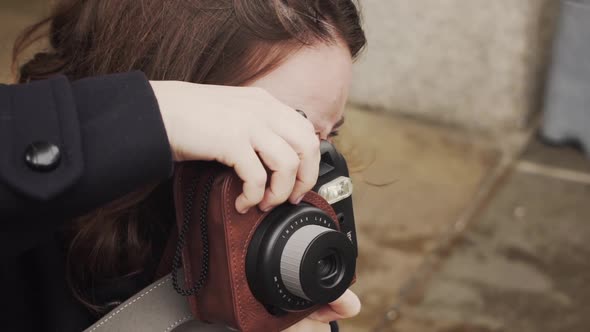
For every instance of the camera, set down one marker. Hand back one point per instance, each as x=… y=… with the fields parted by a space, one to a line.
x=262 y=271
x=299 y=255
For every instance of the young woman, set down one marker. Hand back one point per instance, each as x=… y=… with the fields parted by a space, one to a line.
x=281 y=52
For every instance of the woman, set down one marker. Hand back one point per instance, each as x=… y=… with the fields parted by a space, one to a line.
x=299 y=52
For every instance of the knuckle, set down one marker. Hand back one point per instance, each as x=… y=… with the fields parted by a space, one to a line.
x=310 y=177
x=259 y=180
x=305 y=140
x=314 y=144
x=291 y=163
x=279 y=195
x=254 y=196
x=311 y=149
x=307 y=184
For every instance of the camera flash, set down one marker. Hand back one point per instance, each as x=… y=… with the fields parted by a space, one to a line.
x=336 y=190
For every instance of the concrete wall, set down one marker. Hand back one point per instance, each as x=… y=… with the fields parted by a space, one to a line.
x=472 y=63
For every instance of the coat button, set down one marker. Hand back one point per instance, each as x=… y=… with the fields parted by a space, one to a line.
x=42 y=156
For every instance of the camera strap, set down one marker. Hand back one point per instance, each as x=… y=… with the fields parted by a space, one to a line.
x=157 y=308
x=181 y=242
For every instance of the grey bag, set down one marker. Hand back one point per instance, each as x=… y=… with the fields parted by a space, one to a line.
x=567 y=99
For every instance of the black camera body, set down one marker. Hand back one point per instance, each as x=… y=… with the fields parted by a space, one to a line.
x=299 y=256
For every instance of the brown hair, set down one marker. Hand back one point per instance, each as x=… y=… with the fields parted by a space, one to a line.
x=227 y=42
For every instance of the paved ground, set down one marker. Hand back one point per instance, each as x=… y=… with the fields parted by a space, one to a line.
x=519 y=265
x=523 y=264
x=412 y=182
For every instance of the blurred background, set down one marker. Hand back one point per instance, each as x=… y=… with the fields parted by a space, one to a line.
x=465 y=132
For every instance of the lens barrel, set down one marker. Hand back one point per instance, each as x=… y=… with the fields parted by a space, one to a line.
x=298 y=258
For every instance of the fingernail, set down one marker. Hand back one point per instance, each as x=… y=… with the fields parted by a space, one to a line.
x=244 y=210
x=266 y=209
x=297 y=201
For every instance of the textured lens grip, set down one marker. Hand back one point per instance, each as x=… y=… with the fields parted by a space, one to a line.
x=293 y=256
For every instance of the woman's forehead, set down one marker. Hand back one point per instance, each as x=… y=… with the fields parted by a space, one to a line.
x=314 y=79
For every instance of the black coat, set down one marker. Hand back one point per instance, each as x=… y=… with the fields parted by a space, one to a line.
x=110 y=139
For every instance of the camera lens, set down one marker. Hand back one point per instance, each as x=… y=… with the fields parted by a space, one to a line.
x=328 y=269
x=325 y=265
x=312 y=263
x=298 y=258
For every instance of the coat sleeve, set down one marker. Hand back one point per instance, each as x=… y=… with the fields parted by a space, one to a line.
x=68 y=147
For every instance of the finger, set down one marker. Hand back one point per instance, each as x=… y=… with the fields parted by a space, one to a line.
x=300 y=134
x=250 y=169
x=307 y=174
x=282 y=161
x=309 y=325
x=346 y=306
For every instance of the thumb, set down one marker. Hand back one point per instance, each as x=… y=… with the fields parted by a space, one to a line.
x=346 y=306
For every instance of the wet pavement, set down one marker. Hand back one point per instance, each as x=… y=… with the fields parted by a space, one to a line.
x=456 y=233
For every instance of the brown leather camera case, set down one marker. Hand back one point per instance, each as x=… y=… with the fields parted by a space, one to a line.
x=226 y=297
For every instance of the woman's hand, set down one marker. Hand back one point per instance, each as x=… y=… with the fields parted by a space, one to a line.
x=245 y=128
x=348 y=305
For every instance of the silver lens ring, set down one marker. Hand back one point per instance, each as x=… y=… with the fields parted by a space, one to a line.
x=292 y=257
